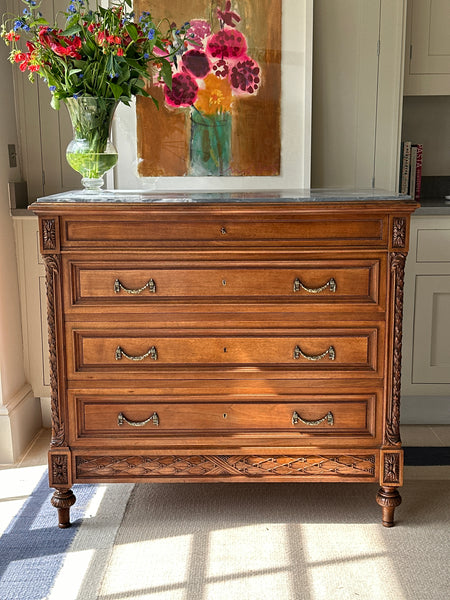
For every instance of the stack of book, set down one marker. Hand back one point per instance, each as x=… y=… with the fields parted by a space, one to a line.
x=411 y=169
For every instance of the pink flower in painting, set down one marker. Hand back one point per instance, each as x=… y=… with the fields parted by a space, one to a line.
x=245 y=76
x=197 y=63
x=227 y=15
x=227 y=43
x=198 y=31
x=221 y=68
x=184 y=91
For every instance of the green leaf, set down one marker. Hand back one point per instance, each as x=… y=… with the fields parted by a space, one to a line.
x=71 y=30
x=166 y=72
x=55 y=102
x=40 y=21
x=132 y=31
x=116 y=90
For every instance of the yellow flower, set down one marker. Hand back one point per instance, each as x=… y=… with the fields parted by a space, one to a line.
x=215 y=96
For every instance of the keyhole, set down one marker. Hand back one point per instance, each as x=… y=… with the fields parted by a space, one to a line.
x=224 y=282
x=224 y=349
x=225 y=415
x=223 y=231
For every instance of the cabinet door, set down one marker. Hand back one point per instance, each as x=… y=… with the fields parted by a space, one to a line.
x=428 y=48
x=431 y=362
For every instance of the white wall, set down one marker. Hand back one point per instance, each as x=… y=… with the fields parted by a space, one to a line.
x=426 y=120
x=19 y=412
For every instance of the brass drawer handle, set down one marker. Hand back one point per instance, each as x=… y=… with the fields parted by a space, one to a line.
x=331 y=352
x=328 y=418
x=298 y=285
x=121 y=419
x=152 y=352
x=151 y=285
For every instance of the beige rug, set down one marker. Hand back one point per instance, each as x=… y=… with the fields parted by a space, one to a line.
x=260 y=542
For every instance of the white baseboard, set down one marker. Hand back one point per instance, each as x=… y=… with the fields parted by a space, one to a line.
x=20 y=420
x=425 y=410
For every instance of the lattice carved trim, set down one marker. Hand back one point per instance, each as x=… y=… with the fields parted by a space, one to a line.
x=397 y=270
x=224 y=466
x=52 y=272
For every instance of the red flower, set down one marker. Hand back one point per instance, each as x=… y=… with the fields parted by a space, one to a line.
x=227 y=43
x=198 y=30
x=197 y=63
x=227 y=16
x=221 y=69
x=184 y=91
x=119 y=51
x=245 y=76
x=12 y=37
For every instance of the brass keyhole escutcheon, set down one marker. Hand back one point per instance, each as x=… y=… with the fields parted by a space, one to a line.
x=223 y=230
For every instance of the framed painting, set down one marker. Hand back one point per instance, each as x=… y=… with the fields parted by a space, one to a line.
x=238 y=114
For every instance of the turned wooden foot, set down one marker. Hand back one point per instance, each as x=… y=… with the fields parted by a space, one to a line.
x=388 y=498
x=63 y=500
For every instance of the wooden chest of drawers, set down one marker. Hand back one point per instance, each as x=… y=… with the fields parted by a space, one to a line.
x=225 y=341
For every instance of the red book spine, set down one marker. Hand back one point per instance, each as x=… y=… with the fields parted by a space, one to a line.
x=418 y=171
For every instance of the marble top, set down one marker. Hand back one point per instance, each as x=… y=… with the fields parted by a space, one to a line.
x=313 y=195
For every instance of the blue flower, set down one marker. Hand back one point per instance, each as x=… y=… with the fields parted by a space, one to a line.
x=80 y=75
x=18 y=25
x=76 y=96
x=146 y=56
x=52 y=88
x=151 y=34
x=72 y=8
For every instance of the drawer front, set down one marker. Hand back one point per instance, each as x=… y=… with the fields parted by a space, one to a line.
x=328 y=281
x=149 y=418
x=152 y=230
x=103 y=352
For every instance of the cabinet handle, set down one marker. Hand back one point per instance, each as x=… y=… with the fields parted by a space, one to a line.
x=152 y=352
x=151 y=285
x=298 y=285
x=328 y=418
x=331 y=352
x=121 y=419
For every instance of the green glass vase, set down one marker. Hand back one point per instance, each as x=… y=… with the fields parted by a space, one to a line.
x=91 y=152
x=210 y=144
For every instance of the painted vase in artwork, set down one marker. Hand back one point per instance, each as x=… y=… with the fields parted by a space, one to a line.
x=210 y=143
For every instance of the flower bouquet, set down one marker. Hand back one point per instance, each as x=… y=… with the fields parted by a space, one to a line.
x=92 y=59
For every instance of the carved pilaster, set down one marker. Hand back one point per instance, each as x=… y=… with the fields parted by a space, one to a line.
x=399 y=232
x=48 y=234
x=392 y=467
x=397 y=273
x=59 y=469
x=52 y=273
